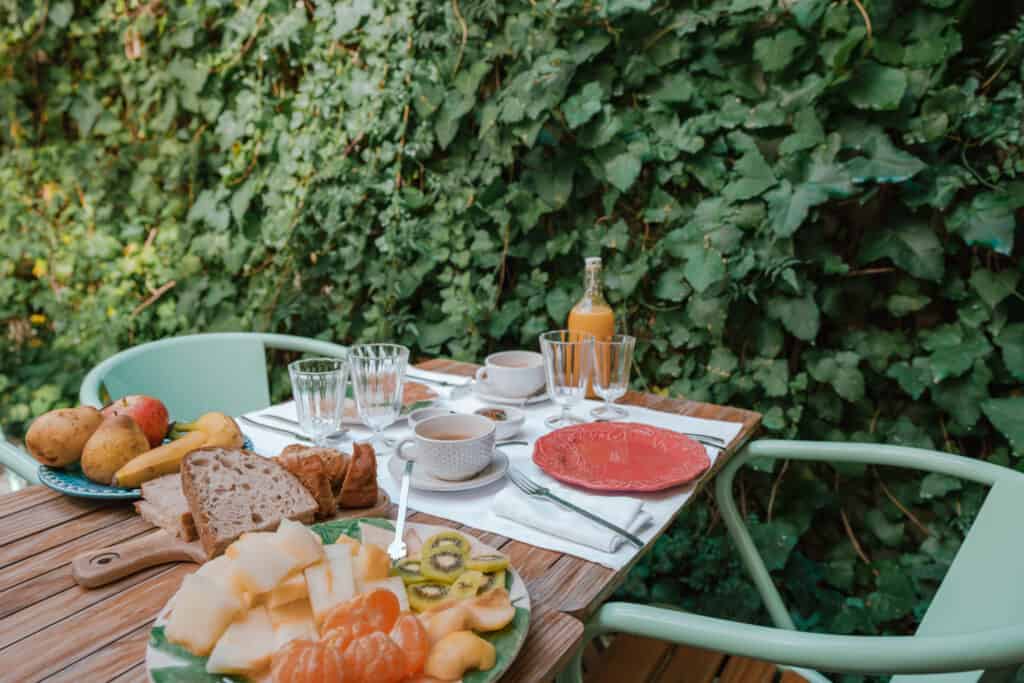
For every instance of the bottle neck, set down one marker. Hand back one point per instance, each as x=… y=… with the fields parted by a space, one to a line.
x=592 y=285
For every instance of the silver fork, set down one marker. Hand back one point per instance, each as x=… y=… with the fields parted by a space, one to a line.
x=397 y=550
x=535 y=490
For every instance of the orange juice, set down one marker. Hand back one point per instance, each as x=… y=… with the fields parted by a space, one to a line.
x=592 y=314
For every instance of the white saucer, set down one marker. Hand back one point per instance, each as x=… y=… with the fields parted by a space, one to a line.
x=424 y=481
x=482 y=394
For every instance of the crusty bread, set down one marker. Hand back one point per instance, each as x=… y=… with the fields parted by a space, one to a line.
x=231 y=492
x=164 y=504
x=310 y=468
x=360 y=487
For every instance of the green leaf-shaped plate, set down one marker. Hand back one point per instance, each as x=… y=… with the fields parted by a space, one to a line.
x=170 y=663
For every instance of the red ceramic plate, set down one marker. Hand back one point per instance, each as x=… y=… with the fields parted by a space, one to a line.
x=620 y=456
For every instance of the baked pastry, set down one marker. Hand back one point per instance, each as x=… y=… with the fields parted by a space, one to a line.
x=359 y=489
x=321 y=471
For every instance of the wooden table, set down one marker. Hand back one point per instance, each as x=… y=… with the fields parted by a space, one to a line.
x=52 y=629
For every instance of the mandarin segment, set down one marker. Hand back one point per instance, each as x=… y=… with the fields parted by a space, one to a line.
x=412 y=639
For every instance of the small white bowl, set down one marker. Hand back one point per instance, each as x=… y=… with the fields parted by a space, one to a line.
x=507 y=428
x=417 y=416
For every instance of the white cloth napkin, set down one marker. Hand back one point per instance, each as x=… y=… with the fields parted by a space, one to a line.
x=552 y=518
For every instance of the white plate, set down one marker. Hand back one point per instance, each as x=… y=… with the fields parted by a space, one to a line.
x=425 y=481
x=487 y=397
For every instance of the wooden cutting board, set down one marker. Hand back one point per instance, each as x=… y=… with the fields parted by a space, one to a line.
x=100 y=567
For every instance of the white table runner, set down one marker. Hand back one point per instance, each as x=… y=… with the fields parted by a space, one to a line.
x=473 y=508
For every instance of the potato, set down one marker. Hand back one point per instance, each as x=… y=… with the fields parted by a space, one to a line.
x=118 y=440
x=57 y=438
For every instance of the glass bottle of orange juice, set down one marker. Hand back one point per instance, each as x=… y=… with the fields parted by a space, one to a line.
x=592 y=314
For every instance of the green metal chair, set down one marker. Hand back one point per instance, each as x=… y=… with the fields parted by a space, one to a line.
x=973 y=629
x=199 y=373
x=18 y=461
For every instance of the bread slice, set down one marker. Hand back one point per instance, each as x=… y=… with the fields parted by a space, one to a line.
x=231 y=492
x=164 y=505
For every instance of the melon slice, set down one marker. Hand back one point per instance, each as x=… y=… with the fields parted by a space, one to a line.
x=246 y=646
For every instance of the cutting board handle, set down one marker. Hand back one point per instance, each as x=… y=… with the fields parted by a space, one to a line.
x=100 y=567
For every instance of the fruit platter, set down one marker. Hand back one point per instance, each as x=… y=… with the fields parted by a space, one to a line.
x=110 y=453
x=325 y=603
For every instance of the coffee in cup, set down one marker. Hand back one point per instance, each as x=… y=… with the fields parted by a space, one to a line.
x=512 y=374
x=451 y=447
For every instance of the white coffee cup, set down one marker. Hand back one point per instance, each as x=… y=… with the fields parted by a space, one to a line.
x=451 y=447
x=513 y=374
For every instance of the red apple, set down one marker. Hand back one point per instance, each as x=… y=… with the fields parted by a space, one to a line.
x=148 y=412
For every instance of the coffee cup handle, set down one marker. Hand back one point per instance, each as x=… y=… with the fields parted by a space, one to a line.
x=481 y=375
x=401 y=446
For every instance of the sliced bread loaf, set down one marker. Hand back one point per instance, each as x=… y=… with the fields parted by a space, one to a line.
x=231 y=492
x=164 y=505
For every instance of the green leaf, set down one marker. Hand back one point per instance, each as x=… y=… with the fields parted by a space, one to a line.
x=61 y=12
x=622 y=170
x=348 y=15
x=1006 y=414
x=884 y=163
x=191 y=75
x=671 y=287
x=876 y=87
x=677 y=87
x=913 y=378
x=935 y=485
x=988 y=220
x=895 y=597
x=775 y=540
x=582 y=107
x=889 y=533
x=910 y=244
x=1011 y=341
x=756 y=176
x=703 y=268
x=807 y=133
x=825 y=180
x=798 y=315
x=774 y=53
x=994 y=287
x=617 y=7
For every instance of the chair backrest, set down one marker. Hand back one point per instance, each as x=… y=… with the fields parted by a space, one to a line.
x=199 y=373
x=981 y=590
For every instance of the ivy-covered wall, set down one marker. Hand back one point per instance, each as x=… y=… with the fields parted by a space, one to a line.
x=811 y=208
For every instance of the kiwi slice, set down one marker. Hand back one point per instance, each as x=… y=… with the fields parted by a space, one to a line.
x=491 y=581
x=409 y=570
x=425 y=595
x=467 y=585
x=446 y=540
x=487 y=562
x=443 y=564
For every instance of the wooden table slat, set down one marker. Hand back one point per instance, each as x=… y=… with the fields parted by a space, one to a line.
x=56 y=536
x=40 y=517
x=26 y=498
x=25 y=570
x=82 y=633
x=49 y=627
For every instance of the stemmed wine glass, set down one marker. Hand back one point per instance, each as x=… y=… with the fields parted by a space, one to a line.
x=567 y=359
x=613 y=358
x=378 y=375
x=318 y=387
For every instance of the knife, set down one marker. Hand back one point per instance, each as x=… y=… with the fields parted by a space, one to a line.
x=271 y=428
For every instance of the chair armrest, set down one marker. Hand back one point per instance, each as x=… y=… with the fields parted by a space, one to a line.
x=303 y=344
x=824 y=451
x=18 y=461
x=845 y=654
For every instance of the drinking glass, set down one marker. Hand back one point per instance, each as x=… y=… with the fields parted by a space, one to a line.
x=318 y=387
x=378 y=375
x=567 y=359
x=613 y=358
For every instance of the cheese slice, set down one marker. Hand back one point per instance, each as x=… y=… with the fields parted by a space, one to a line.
x=246 y=646
x=200 y=613
x=291 y=621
